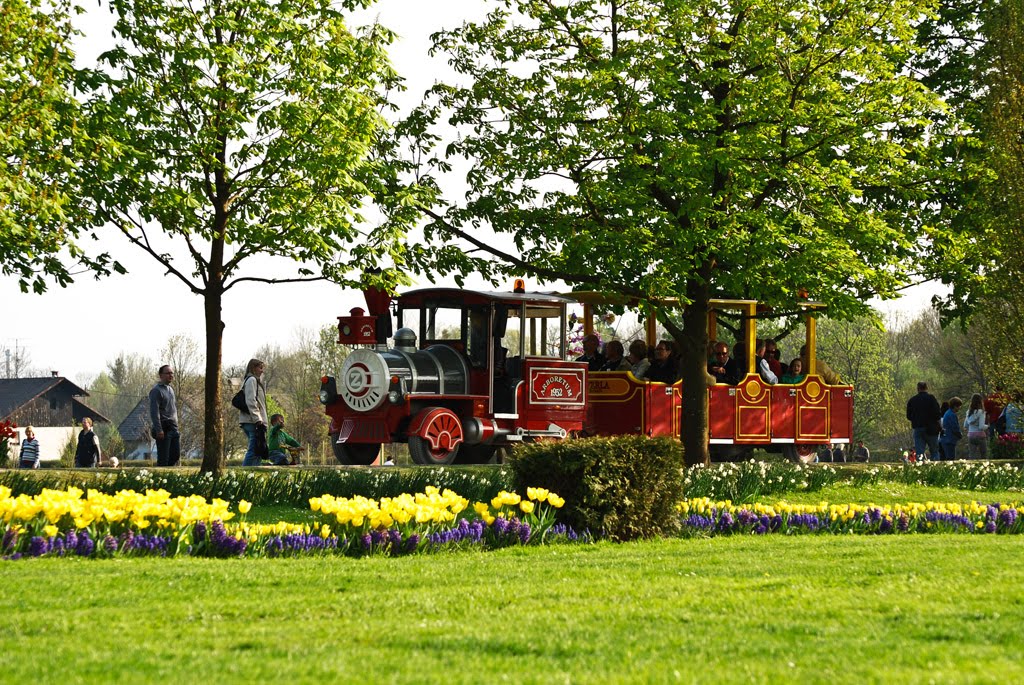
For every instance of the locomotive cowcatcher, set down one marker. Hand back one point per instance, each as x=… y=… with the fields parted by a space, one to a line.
x=470 y=372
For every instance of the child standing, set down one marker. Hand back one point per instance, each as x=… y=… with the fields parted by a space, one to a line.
x=29 y=457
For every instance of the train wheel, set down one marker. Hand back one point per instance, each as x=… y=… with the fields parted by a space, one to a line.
x=437 y=438
x=800 y=454
x=355 y=454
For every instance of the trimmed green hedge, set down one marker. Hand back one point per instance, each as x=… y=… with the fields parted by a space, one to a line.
x=622 y=488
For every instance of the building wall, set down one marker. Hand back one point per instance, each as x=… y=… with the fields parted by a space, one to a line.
x=51 y=442
x=51 y=409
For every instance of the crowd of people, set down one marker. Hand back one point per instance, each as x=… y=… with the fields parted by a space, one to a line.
x=937 y=429
x=267 y=439
x=725 y=366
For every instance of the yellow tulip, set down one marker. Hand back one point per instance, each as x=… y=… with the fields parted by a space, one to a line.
x=51 y=531
x=526 y=506
x=244 y=507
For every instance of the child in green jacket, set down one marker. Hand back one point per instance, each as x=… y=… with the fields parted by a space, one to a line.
x=283 y=448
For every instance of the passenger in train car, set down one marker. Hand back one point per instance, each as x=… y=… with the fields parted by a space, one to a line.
x=763 y=369
x=725 y=369
x=637 y=357
x=795 y=374
x=665 y=368
x=771 y=355
x=615 y=359
x=824 y=370
x=594 y=359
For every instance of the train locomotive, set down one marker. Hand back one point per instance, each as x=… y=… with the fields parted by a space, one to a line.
x=470 y=372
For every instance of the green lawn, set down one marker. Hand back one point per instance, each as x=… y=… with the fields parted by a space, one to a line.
x=944 y=608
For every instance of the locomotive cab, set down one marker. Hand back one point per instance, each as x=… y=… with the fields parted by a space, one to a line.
x=469 y=372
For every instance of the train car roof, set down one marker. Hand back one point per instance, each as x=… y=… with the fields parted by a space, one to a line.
x=418 y=297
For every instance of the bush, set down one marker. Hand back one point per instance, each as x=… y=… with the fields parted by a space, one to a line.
x=621 y=488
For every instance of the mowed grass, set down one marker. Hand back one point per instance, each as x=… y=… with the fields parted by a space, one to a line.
x=942 y=608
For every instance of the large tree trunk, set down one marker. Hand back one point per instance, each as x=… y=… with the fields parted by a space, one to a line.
x=693 y=344
x=214 y=459
x=213 y=444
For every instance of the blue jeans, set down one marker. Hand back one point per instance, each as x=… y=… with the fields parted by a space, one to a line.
x=250 y=453
x=280 y=458
x=168 y=450
x=948 y=451
x=921 y=437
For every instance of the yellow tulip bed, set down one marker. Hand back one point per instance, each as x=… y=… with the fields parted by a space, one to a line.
x=703 y=516
x=93 y=524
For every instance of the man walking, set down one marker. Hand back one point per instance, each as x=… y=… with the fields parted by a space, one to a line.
x=163 y=415
x=924 y=416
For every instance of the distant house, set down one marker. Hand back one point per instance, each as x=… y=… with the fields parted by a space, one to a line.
x=134 y=430
x=136 y=435
x=50 y=405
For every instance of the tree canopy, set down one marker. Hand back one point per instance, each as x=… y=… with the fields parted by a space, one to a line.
x=237 y=129
x=41 y=145
x=696 y=149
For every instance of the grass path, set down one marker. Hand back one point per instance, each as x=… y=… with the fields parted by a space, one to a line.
x=942 y=608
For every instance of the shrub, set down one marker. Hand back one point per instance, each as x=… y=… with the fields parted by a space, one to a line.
x=622 y=488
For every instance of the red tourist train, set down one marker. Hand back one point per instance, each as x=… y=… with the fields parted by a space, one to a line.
x=471 y=372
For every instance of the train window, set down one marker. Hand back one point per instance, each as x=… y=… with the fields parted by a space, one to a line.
x=476 y=338
x=543 y=332
x=443 y=323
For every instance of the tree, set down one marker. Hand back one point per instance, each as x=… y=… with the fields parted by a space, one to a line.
x=41 y=144
x=858 y=351
x=242 y=129
x=691 y=150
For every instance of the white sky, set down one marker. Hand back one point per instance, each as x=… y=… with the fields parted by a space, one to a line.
x=77 y=330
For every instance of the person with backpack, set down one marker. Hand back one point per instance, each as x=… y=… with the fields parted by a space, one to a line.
x=251 y=402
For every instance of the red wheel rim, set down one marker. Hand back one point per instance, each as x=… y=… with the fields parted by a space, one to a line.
x=442 y=433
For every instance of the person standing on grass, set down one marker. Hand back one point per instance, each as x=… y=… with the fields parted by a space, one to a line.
x=951 y=433
x=87 y=454
x=254 y=420
x=163 y=417
x=977 y=429
x=924 y=416
x=29 y=456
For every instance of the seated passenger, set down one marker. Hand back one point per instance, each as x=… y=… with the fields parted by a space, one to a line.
x=795 y=374
x=824 y=370
x=724 y=368
x=593 y=358
x=763 y=369
x=771 y=353
x=638 y=358
x=614 y=359
x=665 y=368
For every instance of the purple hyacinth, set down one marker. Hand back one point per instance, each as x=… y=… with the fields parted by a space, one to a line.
x=726 y=523
x=698 y=522
x=903 y=524
x=84 y=545
x=10 y=540
x=110 y=544
x=38 y=546
x=1008 y=518
x=990 y=527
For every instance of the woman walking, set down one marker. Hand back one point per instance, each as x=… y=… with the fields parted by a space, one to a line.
x=977 y=429
x=87 y=454
x=254 y=420
x=951 y=429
